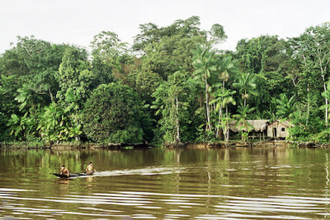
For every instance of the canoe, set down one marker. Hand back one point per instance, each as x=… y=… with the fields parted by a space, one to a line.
x=72 y=175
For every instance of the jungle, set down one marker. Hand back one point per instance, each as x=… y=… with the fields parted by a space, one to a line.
x=173 y=85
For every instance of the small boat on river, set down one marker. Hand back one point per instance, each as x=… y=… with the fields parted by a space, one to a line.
x=71 y=175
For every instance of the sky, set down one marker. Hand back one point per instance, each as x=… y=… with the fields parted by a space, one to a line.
x=78 y=21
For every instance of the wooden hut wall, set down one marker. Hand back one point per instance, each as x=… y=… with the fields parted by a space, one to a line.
x=278 y=130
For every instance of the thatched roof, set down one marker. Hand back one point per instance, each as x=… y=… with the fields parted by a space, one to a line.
x=286 y=123
x=258 y=126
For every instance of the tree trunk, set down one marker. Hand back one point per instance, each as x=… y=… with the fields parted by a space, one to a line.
x=308 y=100
x=326 y=112
x=227 y=129
x=323 y=72
x=51 y=95
x=326 y=102
x=219 y=121
x=207 y=106
x=177 y=121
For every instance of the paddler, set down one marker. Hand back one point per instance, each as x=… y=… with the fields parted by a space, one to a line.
x=64 y=171
x=90 y=168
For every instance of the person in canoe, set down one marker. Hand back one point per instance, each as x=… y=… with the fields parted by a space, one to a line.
x=64 y=171
x=90 y=168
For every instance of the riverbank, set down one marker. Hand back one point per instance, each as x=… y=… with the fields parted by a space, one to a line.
x=207 y=145
x=72 y=146
x=239 y=143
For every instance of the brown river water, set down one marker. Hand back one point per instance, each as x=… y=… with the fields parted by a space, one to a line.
x=237 y=183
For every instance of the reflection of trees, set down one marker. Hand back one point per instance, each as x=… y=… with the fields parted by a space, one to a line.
x=210 y=174
x=208 y=170
x=327 y=179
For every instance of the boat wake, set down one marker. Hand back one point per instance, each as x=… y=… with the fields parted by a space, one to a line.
x=143 y=172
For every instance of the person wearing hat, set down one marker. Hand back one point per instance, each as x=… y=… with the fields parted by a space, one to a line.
x=90 y=168
x=64 y=171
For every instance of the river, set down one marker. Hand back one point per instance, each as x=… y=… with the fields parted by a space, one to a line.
x=159 y=183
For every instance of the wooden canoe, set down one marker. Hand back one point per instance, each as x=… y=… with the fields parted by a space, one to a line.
x=71 y=175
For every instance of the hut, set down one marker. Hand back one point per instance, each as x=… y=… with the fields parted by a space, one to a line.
x=278 y=129
x=257 y=129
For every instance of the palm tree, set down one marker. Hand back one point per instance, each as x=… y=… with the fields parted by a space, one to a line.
x=246 y=85
x=204 y=65
x=226 y=67
x=223 y=97
x=285 y=107
x=242 y=122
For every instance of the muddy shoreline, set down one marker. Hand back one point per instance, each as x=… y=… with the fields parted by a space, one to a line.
x=205 y=145
x=71 y=146
x=265 y=143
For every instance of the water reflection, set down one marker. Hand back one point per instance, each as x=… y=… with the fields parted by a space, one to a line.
x=63 y=181
x=180 y=205
x=90 y=179
x=265 y=183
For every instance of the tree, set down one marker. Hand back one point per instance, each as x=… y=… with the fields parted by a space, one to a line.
x=27 y=98
x=31 y=66
x=21 y=127
x=266 y=57
x=246 y=85
x=216 y=34
x=113 y=114
x=171 y=102
x=169 y=49
x=312 y=48
x=285 y=107
x=7 y=105
x=36 y=64
x=261 y=54
x=53 y=125
x=204 y=65
x=326 y=95
x=166 y=50
x=223 y=97
x=242 y=116
x=226 y=69
x=108 y=46
x=112 y=59
x=151 y=33
x=145 y=82
x=75 y=79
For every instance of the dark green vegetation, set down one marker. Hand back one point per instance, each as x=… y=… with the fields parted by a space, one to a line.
x=173 y=85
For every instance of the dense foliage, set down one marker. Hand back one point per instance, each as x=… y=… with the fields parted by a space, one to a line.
x=173 y=85
x=114 y=113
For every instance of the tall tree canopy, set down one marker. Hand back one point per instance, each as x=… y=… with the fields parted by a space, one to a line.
x=113 y=113
x=172 y=85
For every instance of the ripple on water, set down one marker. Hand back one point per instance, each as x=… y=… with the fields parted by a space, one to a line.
x=212 y=184
x=286 y=207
